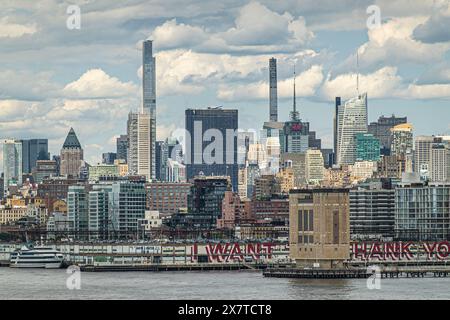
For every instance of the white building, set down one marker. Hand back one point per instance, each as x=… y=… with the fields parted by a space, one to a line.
x=140 y=160
x=175 y=171
x=439 y=162
x=152 y=220
x=422 y=147
x=351 y=119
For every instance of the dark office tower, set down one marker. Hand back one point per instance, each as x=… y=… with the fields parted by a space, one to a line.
x=335 y=127
x=382 y=131
x=162 y=154
x=122 y=147
x=204 y=152
x=149 y=94
x=57 y=159
x=205 y=199
x=314 y=142
x=273 y=95
x=109 y=157
x=32 y=151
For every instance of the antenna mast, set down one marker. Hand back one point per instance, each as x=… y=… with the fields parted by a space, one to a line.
x=357 y=71
x=294 y=113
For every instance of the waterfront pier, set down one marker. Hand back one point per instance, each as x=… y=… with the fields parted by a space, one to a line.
x=356 y=273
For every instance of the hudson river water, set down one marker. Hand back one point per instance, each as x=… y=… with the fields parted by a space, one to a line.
x=51 y=284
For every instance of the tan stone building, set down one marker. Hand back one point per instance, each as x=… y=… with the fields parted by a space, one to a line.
x=10 y=215
x=319 y=233
x=71 y=156
x=286 y=179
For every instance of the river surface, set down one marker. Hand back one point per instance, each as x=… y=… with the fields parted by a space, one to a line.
x=52 y=284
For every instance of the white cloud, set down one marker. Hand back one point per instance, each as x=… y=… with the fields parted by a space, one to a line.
x=258 y=25
x=15 y=30
x=392 y=42
x=380 y=84
x=172 y=35
x=383 y=83
x=426 y=91
x=96 y=84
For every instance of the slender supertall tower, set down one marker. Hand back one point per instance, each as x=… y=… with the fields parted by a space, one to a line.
x=273 y=96
x=149 y=95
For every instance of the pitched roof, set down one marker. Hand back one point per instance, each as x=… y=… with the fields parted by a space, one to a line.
x=71 y=140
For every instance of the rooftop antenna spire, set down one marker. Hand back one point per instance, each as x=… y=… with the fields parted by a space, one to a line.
x=357 y=70
x=294 y=113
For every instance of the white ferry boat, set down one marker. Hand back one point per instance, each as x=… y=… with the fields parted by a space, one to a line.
x=37 y=257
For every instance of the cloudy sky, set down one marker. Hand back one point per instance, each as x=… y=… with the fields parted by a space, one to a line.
x=216 y=53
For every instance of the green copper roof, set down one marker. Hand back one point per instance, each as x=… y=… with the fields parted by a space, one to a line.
x=71 y=140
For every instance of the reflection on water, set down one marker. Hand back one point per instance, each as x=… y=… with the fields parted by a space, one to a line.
x=51 y=284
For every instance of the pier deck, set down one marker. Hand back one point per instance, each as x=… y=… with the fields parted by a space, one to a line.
x=355 y=273
x=174 y=267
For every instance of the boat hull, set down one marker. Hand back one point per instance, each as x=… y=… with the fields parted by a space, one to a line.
x=39 y=265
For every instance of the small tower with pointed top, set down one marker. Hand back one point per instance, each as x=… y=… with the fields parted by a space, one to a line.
x=71 y=155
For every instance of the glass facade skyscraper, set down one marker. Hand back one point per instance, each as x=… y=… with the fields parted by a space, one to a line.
x=219 y=122
x=32 y=151
x=351 y=118
x=12 y=163
x=127 y=203
x=422 y=212
x=367 y=147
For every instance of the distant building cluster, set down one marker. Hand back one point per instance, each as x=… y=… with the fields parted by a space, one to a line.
x=379 y=181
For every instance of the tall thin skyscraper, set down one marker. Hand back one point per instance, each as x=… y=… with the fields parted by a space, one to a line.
x=351 y=118
x=12 y=163
x=273 y=96
x=149 y=94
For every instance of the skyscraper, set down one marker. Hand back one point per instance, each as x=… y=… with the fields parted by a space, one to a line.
x=296 y=133
x=162 y=154
x=402 y=139
x=381 y=131
x=122 y=147
x=422 y=148
x=71 y=156
x=12 y=163
x=439 y=162
x=126 y=202
x=140 y=157
x=273 y=96
x=213 y=153
x=149 y=94
x=32 y=151
x=351 y=118
x=77 y=210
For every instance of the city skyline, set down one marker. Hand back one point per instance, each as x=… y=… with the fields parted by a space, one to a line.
x=202 y=64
